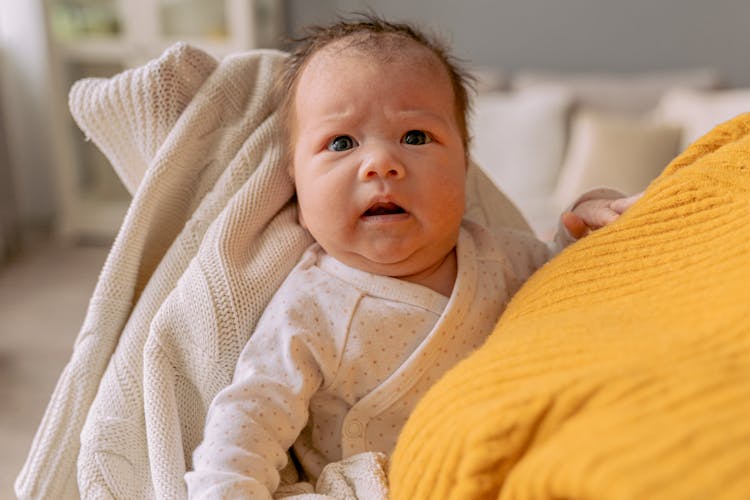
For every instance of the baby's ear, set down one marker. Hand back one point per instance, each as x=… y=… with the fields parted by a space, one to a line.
x=287 y=159
x=300 y=217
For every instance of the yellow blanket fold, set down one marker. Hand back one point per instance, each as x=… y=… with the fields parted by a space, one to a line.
x=622 y=368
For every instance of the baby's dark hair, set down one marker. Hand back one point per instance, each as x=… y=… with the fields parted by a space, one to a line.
x=369 y=31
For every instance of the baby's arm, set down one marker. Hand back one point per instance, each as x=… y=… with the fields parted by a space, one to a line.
x=252 y=422
x=592 y=212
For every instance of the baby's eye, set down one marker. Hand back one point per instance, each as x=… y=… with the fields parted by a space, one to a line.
x=341 y=143
x=416 y=138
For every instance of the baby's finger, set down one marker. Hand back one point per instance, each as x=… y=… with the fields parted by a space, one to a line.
x=575 y=225
x=600 y=217
x=621 y=204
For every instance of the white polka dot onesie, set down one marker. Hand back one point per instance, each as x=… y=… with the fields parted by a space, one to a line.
x=341 y=356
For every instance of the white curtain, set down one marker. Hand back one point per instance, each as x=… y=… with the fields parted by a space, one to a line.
x=9 y=228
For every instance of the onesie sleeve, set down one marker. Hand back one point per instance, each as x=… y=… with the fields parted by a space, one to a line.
x=252 y=422
x=562 y=237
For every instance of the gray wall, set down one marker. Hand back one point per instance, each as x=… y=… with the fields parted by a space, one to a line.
x=575 y=35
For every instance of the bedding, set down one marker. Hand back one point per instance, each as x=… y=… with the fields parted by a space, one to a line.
x=621 y=369
x=210 y=235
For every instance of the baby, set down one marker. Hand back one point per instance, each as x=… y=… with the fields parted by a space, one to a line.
x=398 y=286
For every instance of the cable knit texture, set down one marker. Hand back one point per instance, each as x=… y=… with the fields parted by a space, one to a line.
x=210 y=235
x=621 y=370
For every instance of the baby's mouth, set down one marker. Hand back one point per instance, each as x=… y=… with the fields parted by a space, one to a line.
x=383 y=209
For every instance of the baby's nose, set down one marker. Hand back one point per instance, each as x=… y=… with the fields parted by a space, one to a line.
x=382 y=164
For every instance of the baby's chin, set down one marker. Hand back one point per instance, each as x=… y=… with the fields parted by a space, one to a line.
x=385 y=266
x=404 y=267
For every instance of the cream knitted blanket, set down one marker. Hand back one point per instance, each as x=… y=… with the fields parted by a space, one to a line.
x=210 y=235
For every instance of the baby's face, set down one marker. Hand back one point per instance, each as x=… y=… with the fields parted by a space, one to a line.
x=379 y=162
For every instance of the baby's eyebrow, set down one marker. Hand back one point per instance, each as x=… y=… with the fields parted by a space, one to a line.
x=334 y=112
x=336 y=120
x=334 y=116
x=420 y=111
x=422 y=115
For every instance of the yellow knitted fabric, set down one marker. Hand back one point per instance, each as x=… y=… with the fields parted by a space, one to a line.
x=621 y=370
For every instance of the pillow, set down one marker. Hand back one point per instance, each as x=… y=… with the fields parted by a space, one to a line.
x=488 y=79
x=630 y=93
x=698 y=112
x=619 y=152
x=518 y=138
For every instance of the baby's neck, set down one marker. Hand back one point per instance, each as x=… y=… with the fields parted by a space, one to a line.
x=440 y=277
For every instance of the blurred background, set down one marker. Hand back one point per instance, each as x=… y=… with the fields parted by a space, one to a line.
x=572 y=93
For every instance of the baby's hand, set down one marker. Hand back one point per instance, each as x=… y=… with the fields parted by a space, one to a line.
x=590 y=215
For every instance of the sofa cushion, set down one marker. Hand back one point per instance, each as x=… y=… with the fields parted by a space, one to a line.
x=629 y=93
x=616 y=151
x=518 y=138
x=697 y=112
x=488 y=79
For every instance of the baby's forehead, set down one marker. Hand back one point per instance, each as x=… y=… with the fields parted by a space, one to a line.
x=329 y=67
x=380 y=48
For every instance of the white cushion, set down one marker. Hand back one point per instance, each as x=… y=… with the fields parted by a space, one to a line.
x=615 y=151
x=488 y=79
x=623 y=93
x=518 y=138
x=698 y=112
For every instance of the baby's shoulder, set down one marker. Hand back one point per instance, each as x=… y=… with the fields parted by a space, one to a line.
x=315 y=291
x=503 y=242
